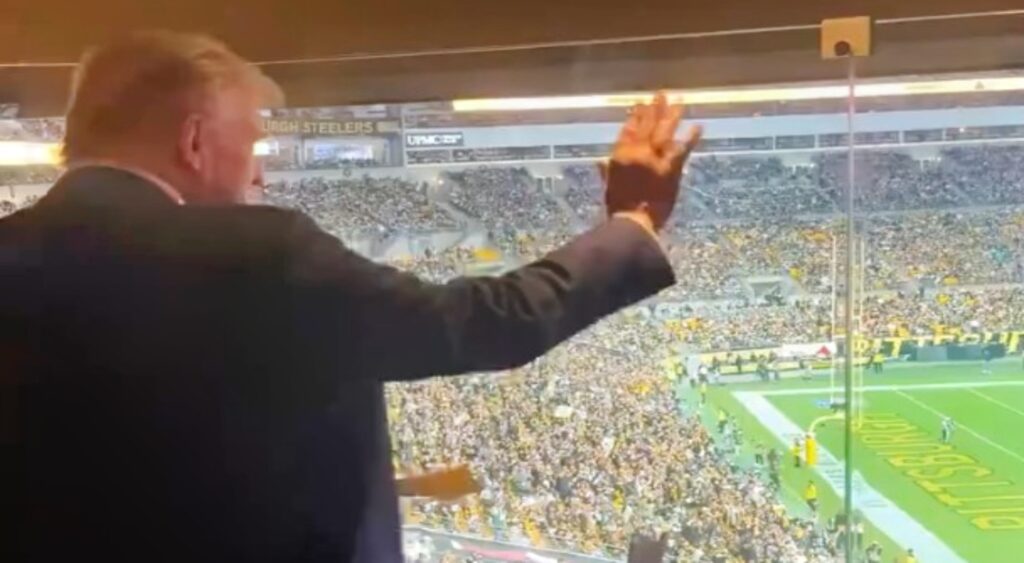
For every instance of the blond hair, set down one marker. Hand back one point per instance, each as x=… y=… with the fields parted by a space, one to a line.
x=141 y=86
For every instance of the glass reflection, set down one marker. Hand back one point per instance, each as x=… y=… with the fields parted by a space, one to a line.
x=709 y=412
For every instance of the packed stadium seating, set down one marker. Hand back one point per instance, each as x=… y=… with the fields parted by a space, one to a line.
x=583 y=190
x=344 y=206
x=758 y=187
x=555 y=477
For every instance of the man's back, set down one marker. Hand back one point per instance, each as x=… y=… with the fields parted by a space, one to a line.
x=139 y=353
x=204 y=383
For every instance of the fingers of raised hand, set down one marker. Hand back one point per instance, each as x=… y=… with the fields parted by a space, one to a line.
x=634 y=143
x=648 y=138
x=663 y=136
x=647 y=120
x=657 y=119
x=631 y=129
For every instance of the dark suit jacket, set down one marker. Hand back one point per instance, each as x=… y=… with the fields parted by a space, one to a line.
x=185 y=383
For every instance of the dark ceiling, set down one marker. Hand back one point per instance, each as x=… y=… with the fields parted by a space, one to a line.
x=51 y=31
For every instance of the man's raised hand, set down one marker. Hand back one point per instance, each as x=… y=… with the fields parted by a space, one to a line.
x=643 y=173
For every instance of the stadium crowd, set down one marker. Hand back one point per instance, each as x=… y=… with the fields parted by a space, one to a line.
x=586 y=447
x=584 y=191
x=736 y=232
x=740 y=186
x=761 y=187
x=908 y=254
x=508 y=198
x=758 y=187
x=382 y=205
x=964 y=310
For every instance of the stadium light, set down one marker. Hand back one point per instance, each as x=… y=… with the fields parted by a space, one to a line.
x=748 y=95
x=26 y=153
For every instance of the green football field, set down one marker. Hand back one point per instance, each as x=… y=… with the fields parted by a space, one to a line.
x=961 y=501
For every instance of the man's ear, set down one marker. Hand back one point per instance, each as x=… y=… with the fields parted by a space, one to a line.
x=190 y=142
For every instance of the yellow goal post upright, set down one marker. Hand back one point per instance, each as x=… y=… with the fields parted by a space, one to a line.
x=811 y=437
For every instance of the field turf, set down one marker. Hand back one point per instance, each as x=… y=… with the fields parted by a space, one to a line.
x=969 y=494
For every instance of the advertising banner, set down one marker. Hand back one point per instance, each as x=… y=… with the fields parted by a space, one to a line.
x=434 y=140
x=330 y=127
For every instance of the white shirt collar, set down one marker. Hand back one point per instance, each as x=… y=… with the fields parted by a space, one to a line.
x=157 y=181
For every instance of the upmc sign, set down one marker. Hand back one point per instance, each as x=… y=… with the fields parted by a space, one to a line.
x=433 y=139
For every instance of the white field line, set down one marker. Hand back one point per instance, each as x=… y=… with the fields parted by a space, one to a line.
x=996 y=401
x=886 y=515
x=967 y=429
x=911 y=387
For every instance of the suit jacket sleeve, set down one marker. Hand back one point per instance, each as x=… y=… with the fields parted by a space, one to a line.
x=396 y=326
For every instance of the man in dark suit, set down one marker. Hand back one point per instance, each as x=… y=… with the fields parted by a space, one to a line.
x=188 y=379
